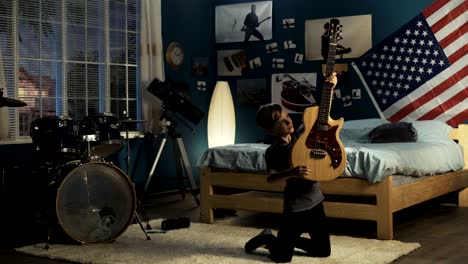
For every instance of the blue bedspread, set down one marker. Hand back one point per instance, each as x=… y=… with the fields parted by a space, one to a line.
x=432 y=154
x=376 y=161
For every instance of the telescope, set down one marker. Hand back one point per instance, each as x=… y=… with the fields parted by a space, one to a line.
x=174 y=101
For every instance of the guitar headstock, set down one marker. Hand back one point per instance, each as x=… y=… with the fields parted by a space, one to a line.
x=334 y=32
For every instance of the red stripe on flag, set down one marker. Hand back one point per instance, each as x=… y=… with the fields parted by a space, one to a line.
x=458 y=119
x=459 y=32
x=456 y=12
x=429 y=95
x=440 y=109
x=434 y=7
x=458 y=54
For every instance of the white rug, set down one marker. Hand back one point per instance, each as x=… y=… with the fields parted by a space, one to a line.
x=203 y=243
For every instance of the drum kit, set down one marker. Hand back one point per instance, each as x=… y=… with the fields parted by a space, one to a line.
x=90 y=200
x=94 y=201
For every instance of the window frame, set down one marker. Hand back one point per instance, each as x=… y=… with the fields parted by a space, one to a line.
x=105 y=100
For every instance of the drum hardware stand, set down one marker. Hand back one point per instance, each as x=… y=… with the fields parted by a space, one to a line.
x=182 y=161
x=140 y=214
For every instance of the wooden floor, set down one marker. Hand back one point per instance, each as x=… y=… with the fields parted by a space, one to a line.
x=440 y=227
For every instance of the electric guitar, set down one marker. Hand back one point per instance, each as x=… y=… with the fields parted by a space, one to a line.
x=319 y=146
x=249 y=28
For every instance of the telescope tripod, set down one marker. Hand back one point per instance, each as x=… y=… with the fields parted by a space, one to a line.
x=184 y=170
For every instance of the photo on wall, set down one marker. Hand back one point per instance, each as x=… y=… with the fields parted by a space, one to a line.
x=200 y=66
x=251 y=91
x=356 y=33
x=244 y=22
x=294 y=91
x=231 y=62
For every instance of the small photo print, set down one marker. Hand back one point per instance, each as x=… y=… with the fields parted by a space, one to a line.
x=356 y=93
x=298 y=58
x=289 y=44
x=201 y=85
x=251 y=91
x=277 y=63
x=289 y=23
x=271 y=48
x=255 y=63
x=347 y=100
x=337 y=93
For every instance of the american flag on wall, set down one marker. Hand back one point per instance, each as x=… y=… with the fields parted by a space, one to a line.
x=420 y=71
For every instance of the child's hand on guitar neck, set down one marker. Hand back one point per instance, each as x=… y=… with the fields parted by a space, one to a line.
x=331 y=80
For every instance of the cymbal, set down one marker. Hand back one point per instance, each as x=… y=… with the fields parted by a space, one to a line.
x=11 y=102
x=129 y=121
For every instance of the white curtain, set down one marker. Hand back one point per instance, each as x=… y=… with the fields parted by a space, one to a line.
x=152 y=61
x=3 y=110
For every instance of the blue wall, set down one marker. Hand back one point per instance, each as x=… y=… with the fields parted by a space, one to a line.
x=191 y=22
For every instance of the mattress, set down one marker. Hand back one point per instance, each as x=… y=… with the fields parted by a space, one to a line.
x=432 y=154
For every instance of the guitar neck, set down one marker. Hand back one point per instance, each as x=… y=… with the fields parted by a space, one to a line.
x=325 y=105
x=263 y=20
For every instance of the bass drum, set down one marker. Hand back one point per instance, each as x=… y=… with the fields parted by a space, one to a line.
x=95 y=203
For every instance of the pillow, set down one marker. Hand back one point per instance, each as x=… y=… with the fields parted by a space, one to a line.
x=393 y=132
x=364 y=123
x=432 y=130
x=357 y=130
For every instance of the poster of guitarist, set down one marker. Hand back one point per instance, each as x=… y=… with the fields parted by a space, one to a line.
x=244 y=22
x=251 y=24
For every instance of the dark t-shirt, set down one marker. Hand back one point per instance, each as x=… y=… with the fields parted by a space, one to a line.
x=299 y=194
x=251 y=20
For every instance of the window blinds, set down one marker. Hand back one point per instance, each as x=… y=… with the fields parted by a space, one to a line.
x=69 y=58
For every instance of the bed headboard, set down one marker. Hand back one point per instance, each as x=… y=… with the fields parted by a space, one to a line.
x=461 y=135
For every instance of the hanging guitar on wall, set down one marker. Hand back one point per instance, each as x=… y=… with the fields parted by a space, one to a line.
x=320 y=147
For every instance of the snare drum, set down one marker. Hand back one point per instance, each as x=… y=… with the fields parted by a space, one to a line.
x=54 y=137
x=101 y=133
x=95 y=202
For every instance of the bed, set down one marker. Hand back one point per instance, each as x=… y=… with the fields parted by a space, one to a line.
x=389 y=193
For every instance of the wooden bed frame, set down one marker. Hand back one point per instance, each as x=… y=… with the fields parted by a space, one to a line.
x=261 y=196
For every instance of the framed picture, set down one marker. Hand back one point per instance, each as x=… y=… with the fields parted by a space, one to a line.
x=244 y=22
x=294 y=91
x=251 y=91
x=231 y=62
x=356 y=33
x=200 y=66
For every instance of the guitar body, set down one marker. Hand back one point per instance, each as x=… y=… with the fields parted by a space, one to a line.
x=320 y=148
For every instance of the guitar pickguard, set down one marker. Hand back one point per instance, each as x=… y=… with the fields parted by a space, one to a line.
x=322 y=140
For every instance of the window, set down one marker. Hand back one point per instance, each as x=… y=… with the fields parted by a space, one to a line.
x=69 y=58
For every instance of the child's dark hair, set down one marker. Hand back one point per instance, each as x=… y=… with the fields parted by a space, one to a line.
x=267 y=115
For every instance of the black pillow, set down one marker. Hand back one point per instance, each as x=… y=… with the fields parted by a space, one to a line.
x=393 y=132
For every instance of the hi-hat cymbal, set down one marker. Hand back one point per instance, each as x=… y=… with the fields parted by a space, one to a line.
x=11 y=102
